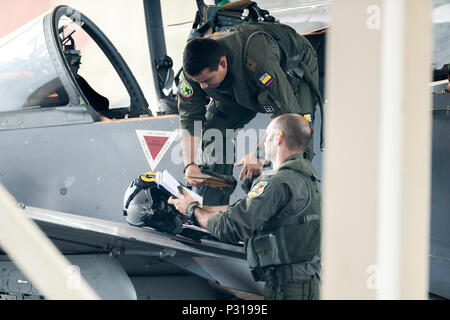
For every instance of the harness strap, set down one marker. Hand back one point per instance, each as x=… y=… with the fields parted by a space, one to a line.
x=295 y=220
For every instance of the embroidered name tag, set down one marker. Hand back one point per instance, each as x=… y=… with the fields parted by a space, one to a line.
x=269 y=109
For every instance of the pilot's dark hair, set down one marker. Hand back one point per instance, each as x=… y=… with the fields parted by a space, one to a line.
x=201 y=53
x=296 y=129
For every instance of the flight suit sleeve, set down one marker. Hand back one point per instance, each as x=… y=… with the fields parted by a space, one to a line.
x=191 y=104
x=239 y=221
x=275 y=91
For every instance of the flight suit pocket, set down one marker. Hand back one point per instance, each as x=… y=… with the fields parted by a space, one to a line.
x=267 y=250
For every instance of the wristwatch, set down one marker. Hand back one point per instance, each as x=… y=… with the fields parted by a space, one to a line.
x=188 y=165
x=190 y=210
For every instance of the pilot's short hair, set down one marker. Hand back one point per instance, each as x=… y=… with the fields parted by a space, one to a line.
x=297 y=131
x=202 y=53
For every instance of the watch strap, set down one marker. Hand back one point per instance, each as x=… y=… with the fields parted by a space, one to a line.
x=191 y=208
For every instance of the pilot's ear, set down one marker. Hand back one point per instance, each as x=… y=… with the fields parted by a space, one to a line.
x=223 y=62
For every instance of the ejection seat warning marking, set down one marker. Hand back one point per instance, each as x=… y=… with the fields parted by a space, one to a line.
x=155 y=144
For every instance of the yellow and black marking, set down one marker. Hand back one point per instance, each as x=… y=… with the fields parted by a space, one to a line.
x=148 y=176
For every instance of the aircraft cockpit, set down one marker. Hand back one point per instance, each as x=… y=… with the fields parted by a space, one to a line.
x=51 y=63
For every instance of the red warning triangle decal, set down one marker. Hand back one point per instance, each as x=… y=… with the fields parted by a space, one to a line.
x=155 y=144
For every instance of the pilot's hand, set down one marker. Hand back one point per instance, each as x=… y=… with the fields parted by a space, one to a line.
x=252 y=166
x=181 y=204
x=193 y=169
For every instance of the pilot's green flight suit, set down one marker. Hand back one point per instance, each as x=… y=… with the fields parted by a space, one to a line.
x=279 y=222
x=268 y=82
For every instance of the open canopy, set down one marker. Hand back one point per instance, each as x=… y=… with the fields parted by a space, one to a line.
x=53 y=61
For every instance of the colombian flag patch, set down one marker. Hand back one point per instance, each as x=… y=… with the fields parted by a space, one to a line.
x=266 y=79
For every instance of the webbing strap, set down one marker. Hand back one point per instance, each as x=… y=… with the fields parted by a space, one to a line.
x=295 y=220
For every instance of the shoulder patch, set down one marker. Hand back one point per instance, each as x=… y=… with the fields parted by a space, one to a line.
x=258 y=189
x=185 y=89
x=307 y=117
x=266 y=79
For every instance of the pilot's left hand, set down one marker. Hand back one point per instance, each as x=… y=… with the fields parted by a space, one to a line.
x=181 y=204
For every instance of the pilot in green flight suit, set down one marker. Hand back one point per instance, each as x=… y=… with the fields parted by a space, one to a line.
x=250 y=68
x=279 y=220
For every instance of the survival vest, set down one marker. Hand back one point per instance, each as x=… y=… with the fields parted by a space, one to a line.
x=289 y=238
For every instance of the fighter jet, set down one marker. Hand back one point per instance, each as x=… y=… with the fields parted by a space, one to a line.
x=68 y=154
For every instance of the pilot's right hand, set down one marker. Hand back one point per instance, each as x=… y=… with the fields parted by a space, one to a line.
x=193 y=169
x=251 y=166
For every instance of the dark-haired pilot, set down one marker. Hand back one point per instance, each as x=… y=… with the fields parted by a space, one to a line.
x=231 y=76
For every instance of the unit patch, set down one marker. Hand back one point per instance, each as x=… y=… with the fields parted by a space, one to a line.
x=258 y=189
x=266 y=79
x=185 y=89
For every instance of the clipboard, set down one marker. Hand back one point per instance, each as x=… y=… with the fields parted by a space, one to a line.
x=210 y=180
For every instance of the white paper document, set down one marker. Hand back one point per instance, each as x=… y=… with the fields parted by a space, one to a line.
x=171 y=184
